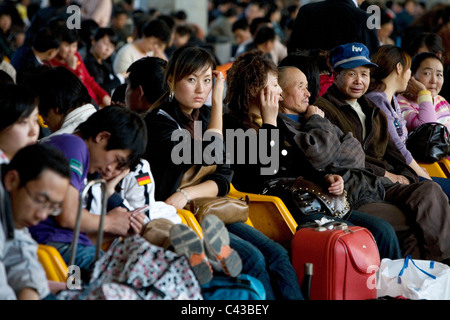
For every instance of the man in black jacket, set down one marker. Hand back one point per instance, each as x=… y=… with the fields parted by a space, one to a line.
x=98 y=59
x=327 y=24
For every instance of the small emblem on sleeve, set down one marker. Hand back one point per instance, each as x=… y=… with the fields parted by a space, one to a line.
x=76 y=167
x=143 y=179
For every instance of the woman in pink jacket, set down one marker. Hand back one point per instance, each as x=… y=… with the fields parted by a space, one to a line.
x=427 y=106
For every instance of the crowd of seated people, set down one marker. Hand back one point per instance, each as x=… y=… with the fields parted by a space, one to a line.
x=107 y=105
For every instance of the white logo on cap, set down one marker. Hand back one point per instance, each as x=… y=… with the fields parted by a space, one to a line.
x=357 y=49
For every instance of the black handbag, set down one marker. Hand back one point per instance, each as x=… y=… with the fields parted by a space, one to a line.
x=429 y=142
x=306 y=197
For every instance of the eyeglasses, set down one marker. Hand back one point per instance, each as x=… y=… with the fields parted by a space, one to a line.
x=44 y=203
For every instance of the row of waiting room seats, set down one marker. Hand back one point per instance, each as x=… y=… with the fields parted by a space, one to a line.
x=267 y=213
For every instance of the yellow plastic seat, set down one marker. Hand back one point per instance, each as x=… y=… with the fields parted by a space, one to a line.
x=445 y=166
x=54 y=265
x=41 y=122
x=269 y=215
x=190 y=220
x=433 y=169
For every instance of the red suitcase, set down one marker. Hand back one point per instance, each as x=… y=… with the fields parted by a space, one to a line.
x=344 y=262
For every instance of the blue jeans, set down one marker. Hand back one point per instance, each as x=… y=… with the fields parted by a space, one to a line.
x=84 y=258
x=443 y=182
x=382 y=231
x=265 y=260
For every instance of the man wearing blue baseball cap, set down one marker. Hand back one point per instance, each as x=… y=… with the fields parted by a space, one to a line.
x=424 y=204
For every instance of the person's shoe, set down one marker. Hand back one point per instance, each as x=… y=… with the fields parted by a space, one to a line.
x=187 y=243
x=217 y=245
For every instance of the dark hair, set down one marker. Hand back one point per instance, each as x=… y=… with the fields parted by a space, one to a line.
x=61 y=90
x=126 y=128
x=272 y=8
x=264 y=34
x=85 y=34
x=419 y=58
x=386 y=57
x=240 y=24
x=157 y=28
x=168 y=20
x=148 y=72
x=183 y=62
x=245 y=80
x=118 y=94
x=180 y=15
x=16 y=102
x=69 y=35
x=430 y=40
x=139 y=20
x=309 y=66
x=186 y=60
x=292 y=8
x=102 y=32
x=257 y=23
x=118 y=9
x=184 y=30
x=231 y=12
x=44 y=157
x=386 y=17
x=57 y=3
x=153 y=12
x=45 y=39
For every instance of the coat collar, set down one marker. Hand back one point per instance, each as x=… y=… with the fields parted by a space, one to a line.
x=335 y=96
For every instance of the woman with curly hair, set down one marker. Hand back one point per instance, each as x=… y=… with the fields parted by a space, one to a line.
x=252 y=97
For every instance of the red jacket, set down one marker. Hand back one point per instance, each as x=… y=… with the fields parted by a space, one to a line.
x=94 y=89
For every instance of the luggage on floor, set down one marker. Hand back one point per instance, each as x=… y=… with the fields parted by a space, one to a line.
x=132 y=268
x=414 y=279
x=341 y=261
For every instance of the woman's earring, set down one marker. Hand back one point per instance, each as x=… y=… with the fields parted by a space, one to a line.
x=171 y=96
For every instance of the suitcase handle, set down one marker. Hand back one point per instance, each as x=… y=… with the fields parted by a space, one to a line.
x=337 y=226
x=76 y=231
x=306 y=284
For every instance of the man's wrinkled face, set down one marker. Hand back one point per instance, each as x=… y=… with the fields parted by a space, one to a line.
x=353 y=83
x=295 y=92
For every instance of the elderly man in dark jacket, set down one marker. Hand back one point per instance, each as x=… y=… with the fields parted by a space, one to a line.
x=424 y=203
x=324 y=145
x=329 y=23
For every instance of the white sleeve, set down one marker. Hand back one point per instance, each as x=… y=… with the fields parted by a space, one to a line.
x=138 y=189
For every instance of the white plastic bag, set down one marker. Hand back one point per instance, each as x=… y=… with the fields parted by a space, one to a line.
x=419 y=279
